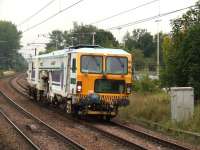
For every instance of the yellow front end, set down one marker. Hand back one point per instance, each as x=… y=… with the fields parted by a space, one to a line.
x=106 y=91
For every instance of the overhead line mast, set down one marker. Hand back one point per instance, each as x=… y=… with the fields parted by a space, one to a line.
x=158 y=44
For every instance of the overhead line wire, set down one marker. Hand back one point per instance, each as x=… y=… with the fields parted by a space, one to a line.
x=123 y=12
x=30 y=17
x=54 y=15
x=149 y=18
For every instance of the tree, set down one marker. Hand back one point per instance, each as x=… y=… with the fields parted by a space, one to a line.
x=182 y=52
x=129 y=42
x=166 y=74
x=57 y=40
x=140 y=39
x=9 y=43
x=190 y=58
x=145 y=43
x=139 y=60
x=81 y=34
x=138 y=33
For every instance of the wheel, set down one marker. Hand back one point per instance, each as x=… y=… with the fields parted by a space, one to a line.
x=55 y=102
x=34 y=94
x=29 y=92
x=68 y=106
x=38 y=95
x=108 y=118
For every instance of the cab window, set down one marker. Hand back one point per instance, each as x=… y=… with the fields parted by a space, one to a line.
x=91 y=64
x=116 y=65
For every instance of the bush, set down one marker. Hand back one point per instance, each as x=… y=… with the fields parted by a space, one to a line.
x=153 y=110
x=1 y=73
x=154 y=107
x=145 y=84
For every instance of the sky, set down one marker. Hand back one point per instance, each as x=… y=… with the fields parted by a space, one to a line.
x=86 y=12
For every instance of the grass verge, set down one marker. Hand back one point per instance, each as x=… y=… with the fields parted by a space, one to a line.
x=153 y=110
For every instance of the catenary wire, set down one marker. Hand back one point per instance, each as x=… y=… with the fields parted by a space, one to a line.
x=33 y=15
x=148 y=19
x=123 y=12
x=54 y=15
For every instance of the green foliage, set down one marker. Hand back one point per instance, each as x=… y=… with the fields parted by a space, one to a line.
x=57 y=40
x=145 y=84
x=182 y=52
x=190 y=58
x=81 y=34
x=143 y=45
x=1 y=73
x=140 y=39
x=139 y=60
x=166 y=72
x=9 y=43
x=19 y=63
x=149 y=106
x=153 y=110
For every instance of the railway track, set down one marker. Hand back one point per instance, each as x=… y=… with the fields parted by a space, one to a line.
x=52 y=132
x=157 y=142
x=151 y=137
x=22 y=85
x=31 y=143
x=132 y=145
x=133 y=137
x=98 y=135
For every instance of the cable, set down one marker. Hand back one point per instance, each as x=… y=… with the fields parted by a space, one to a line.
x=148 y=19
x=54 y=15
x=123 y=12
x=30 y=17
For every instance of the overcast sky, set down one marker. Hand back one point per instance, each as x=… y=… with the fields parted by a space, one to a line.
x=86 y=12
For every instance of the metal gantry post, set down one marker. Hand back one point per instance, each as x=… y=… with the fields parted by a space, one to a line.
x=158 y=43
x=93 y=38
x=158 y=51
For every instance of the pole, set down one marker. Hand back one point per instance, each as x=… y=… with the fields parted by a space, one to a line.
x=158 y=43
x=72 y=38
x=158 y=52
x=93 y=38
x=35 y=51
x=56 y=42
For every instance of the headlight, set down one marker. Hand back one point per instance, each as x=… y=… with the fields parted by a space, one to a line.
x=79 y=87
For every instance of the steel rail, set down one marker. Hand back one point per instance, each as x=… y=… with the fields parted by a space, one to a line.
x=151 y=137
x=19 y=131
x=145 y=135
x=113 y=136
x=73 y=143
x=20 y=84
x=107 y=134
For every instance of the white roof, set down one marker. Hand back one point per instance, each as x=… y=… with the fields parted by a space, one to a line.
x=102 y=51
x=85 y=50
